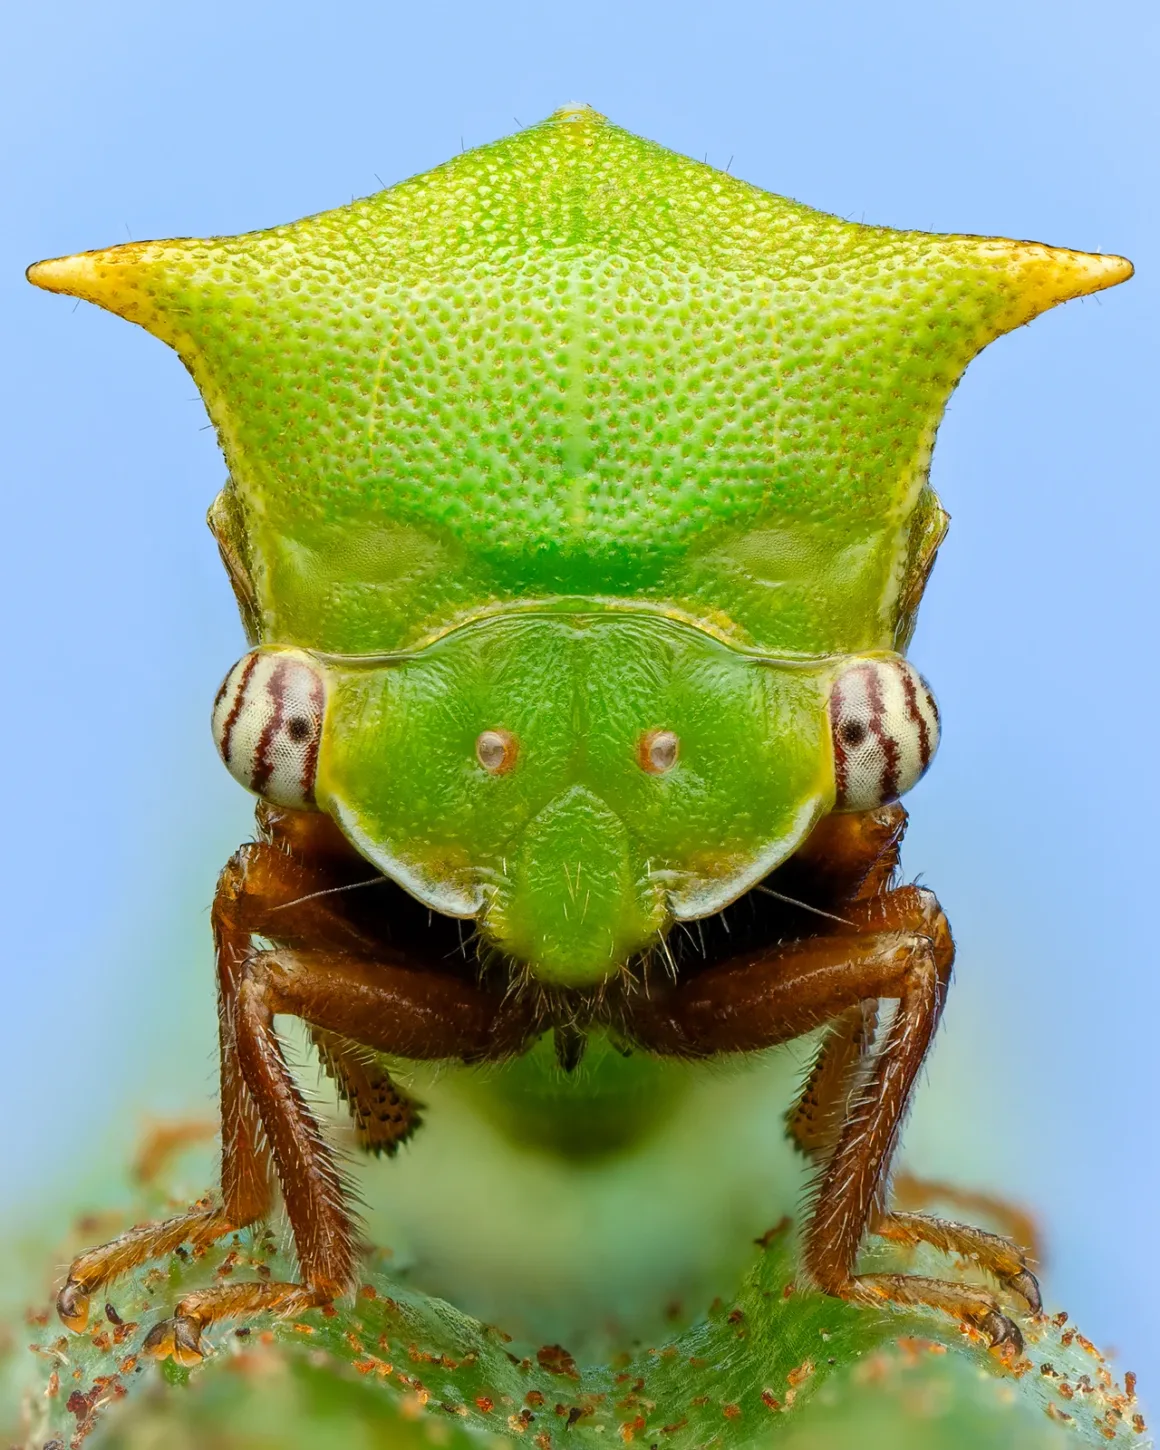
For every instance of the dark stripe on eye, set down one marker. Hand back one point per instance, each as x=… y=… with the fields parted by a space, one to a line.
x=841 y=769
x=889 y=787
x=263 y=759
x=310 y=758
x=910 y=691
x=236 y=707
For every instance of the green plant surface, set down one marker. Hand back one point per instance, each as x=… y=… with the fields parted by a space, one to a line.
x=773 y=1365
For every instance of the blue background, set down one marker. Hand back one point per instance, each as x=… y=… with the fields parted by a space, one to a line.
x=1037 y=826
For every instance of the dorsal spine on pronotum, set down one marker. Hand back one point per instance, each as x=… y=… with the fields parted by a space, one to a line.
x=578 y=509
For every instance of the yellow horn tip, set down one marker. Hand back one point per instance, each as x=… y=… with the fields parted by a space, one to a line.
x=120 y=279
x=1093 y=271
x=1031 y=277
x=1058 y=274
x=59 y=274
x=1115 y=270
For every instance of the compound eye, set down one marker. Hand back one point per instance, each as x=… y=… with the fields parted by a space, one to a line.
x=886 y=727
x=267 y=725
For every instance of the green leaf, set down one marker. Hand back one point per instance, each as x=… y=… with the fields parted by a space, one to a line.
x=775 y=1365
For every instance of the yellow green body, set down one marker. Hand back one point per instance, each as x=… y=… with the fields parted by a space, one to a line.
x=576 y=438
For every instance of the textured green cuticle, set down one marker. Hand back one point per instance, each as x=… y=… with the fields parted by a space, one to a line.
x=575 y=363
x=571 y=374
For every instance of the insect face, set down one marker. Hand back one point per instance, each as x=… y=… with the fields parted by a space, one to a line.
x=886 y=730
x=574 y=837
x=267 y=725
x=560 y=778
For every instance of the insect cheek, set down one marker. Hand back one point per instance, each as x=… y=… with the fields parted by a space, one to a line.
x=885 y=726
x=267 y=725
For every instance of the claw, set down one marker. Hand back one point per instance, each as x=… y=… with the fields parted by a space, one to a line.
x=72 y=1306
x=178 y=1339
x=187 y=1349
x=160 y=1342
x=1026 y=1285
x=1001 y=1331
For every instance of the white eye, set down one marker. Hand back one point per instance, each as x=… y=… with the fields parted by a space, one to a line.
x=885 y=725
x=267 y=724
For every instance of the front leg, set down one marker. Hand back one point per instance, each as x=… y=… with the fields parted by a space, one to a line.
x=384 y=1005
x=256 y=877
x=271 y=888
x=898 y=947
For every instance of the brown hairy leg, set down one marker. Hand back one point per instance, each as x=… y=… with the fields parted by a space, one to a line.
x=814 y=1125
x=1016 y=1223
x=893 y=946
x=816 y=1119
x=297 y=857
x=349 y=988
x=836 y=1077
x=246 y=1186
x=384 y=1116
x=386 y=1006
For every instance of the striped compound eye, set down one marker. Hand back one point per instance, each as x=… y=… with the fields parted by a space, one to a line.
x=886 y=728
x=267 y=723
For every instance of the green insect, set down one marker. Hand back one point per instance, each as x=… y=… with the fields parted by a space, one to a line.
x=578 y=515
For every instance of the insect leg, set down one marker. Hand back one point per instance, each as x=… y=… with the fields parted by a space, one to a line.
x=384 y=1115
x=257 y=879
x=897 y=946
x=312 y=1186
x=1014 y=1222
x=855 y=857
x=815 y=1120
x=382 y=1005
x=992 y=1252
x=200 y=1225
x=853 y=1180
x=847 y=858
x=271 y=890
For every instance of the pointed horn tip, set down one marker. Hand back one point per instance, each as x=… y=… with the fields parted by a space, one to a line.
x=1040 y=277
x=60 y=274
x=1058 y=274
x=1097 y=270
x=108 y=277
